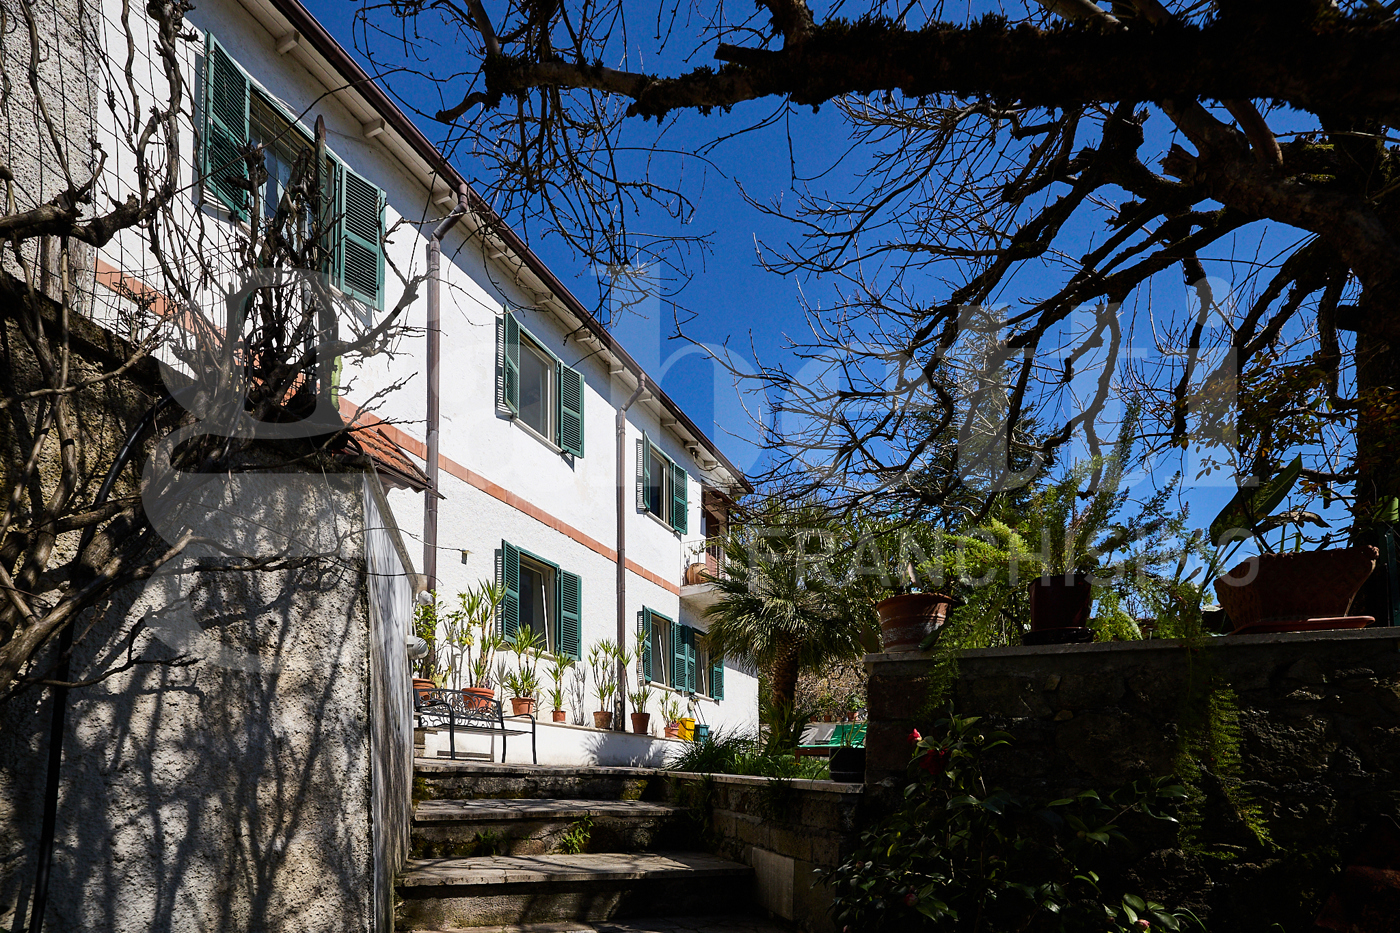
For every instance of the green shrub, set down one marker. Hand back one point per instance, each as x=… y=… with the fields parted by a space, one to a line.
x=740 y=753
x=959 y=857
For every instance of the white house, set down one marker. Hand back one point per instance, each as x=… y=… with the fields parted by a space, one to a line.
x=532 y=460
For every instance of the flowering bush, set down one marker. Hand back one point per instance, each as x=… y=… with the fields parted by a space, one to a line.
x=959 y=857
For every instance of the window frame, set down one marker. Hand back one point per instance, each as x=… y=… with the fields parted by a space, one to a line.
x=650 y=630
x=673 y=506
x=550 y=364
x=663 y=487
x=661 y=649
x=564 y=410
x=550 y=572
x=336 y=183
x=567 y=604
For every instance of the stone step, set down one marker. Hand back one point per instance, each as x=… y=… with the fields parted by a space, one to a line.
x=705 y=924
x=446 y=779
x=467 y=828
x=471 y=893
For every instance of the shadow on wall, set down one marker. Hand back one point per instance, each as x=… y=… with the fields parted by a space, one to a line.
x=231 y=794
x=621 y=749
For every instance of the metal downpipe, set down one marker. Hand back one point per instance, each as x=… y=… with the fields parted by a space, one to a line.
x=620 y=704
x=430 y=500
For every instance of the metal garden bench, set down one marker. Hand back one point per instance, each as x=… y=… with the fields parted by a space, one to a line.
x=478 y=716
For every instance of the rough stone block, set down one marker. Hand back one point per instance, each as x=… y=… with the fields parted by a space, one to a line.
x=1009 y=697
x=773 y=877
x=1089 y=691
x=1113 y=748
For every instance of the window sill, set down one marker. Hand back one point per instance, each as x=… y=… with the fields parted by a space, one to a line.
x=660 y=521
x=672 y=690
x=515 y=419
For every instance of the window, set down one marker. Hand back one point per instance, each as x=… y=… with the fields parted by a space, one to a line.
x=237 y=114
x=542 y=597
x=662 y=486
x=659 y=486
x=654 y=636
x=537 y=372
x=283 y=145
x=537 y=600
x=674 y=655
x=537 y=388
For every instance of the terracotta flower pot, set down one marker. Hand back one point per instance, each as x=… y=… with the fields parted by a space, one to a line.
x=422 y=684
x=672 y=730
x=1057 y=602
x=641 y=722
x=557 y=715
x=696 y=573
x=1288 y=588
x=478 y=697
x=522 y=706
x=848 y=765
x=602 y=719
x=905 y=621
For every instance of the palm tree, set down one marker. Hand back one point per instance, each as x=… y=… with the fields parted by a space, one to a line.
x=788 y=601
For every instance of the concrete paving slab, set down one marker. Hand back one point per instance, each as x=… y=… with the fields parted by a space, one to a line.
x=588 y=867
x=494 y=810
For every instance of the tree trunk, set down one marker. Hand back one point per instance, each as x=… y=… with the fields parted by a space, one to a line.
x=1377 y=435
x=1377 y=463
x=785 y=676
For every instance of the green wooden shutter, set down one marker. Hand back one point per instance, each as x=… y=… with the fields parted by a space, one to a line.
x=509 y=334
x=508 y=575
x=680 y=499
x=644 y=641
x=362 y=238
x=569 y=635
x=678 y=657
x=717 y=678
x=570 y=414
x=501 y=361
x=691 y=683
x=226 y=98
x=643 y=471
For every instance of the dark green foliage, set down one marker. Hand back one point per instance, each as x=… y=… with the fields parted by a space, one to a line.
x=958 y=856
x=736 y=753
x=575 y=839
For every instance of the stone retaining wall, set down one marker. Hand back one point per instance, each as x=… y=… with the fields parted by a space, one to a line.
x=785 y=829
x=1319 y=747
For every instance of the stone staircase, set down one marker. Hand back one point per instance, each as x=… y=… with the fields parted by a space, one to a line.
x=525 y=847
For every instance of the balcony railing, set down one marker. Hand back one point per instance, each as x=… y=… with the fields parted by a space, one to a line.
x=706 y=562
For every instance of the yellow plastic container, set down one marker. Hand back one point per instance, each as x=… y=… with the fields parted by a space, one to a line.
x=687 y=729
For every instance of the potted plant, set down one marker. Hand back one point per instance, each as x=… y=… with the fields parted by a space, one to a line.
x=425 y=626
x=559 y=667
x=1079 y=532
x=602 y=658
x=1285 y=589
x=696 y=571
x=577 y=692
x=472 y=643
x=524 y=682
x=671 y=712
x=910 y=616
x=641 y=719
x=847 y=762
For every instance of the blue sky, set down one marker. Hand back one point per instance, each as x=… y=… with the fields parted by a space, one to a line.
x=731 y=300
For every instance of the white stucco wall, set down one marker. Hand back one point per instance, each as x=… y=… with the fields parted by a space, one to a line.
x=564 y=744
x=233 y=793
x=475 y=438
